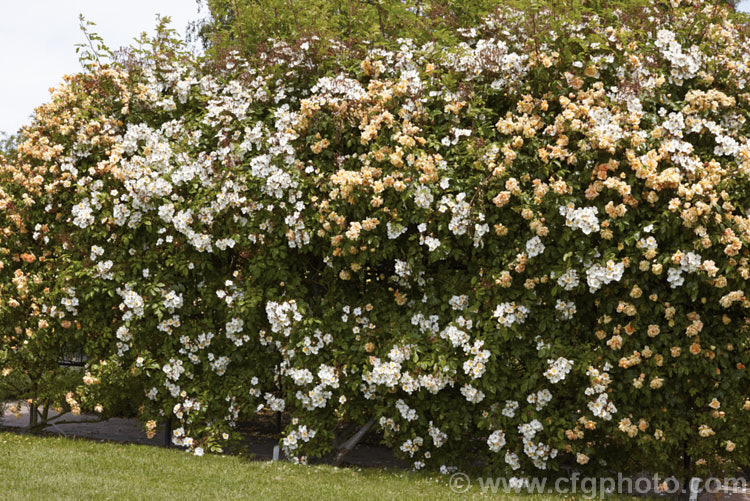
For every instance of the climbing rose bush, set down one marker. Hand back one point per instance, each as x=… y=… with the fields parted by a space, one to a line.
x=528 y=251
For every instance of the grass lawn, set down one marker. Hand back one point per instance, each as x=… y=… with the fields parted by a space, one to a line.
x=60 y=468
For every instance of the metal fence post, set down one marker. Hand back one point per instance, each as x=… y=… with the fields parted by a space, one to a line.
x=168 y=433
x=32 y=415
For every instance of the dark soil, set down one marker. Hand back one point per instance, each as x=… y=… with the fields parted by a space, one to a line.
x=260 y=436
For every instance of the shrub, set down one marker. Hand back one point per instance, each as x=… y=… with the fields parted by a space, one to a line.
x=527 y=250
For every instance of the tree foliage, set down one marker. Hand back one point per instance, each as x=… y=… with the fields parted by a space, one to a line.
x=248 y=24
x=7 y=143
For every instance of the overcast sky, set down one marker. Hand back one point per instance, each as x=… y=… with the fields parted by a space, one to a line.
x=38 y=40
x=39 y=36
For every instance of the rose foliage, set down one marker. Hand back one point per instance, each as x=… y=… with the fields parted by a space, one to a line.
x=528 y=250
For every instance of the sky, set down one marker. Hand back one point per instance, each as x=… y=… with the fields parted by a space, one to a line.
x=39 y=36
x=38 y=40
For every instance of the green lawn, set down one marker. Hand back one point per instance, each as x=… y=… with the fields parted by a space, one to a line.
x=59 y=468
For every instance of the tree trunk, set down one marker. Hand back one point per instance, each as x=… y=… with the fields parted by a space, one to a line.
x=350 y=444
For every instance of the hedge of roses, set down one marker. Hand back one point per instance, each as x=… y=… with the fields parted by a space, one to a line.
x=528 y=251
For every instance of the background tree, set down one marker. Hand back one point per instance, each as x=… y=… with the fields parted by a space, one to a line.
x=250 y=23
x=8 y=143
